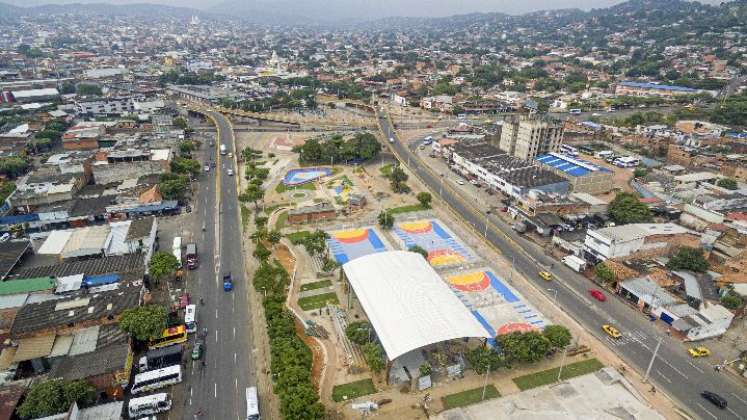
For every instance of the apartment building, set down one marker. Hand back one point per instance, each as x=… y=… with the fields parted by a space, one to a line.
x=529 y=136
x=107 y=106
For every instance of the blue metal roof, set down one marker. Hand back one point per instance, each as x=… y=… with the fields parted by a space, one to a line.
x=645 y=85
x=100 y=280
x=568 y=166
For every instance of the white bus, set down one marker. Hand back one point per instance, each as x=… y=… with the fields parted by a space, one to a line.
x=176 y=249
x=149 y=404
x=155 y=379
x=627 y=162
x=604 y=154
x=190 y=318
x=252 y=404
x=568 y=150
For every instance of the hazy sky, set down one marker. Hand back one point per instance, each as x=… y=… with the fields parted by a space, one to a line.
x=392 y=7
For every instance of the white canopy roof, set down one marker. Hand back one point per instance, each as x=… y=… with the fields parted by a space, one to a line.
x=407 y=303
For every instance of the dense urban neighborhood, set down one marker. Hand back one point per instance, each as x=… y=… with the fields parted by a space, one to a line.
x=207 y=215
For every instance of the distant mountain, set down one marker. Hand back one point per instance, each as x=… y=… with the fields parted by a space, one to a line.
x=103 y=9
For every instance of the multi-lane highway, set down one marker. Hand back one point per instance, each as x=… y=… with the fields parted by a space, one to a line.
x=674 y=372
x=218 y=388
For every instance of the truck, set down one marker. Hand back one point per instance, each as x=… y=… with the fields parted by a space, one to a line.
x=192 y=261
x=577 y=264
x=223 y=149
x=161 y=357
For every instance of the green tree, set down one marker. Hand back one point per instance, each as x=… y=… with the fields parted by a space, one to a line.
x=85 y=89
x=524 y=347
x=173 y=187
x=182 y=165
x=386 y=220
x=6 y=189
x=359 y=332
x=732 y=300
x=398 y=179
x=316 y=242
x=558 y=335
x=180 y=122
x=374 y=355
x=425 y=369
x=480 y=358
x=144 y=323
x=424 y=198
x=605 y=273
x=55 y=396
x=419 y=250
x=162 y=264
x=274 y=236
x=627 y=208
x=186 y=147
x=640 y=172
x=261 y=252
x=253 y=193
x=688 y=259
x=728 y=183
x=13 y=166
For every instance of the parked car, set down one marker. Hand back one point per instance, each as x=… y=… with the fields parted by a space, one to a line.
x=611 y=331
x=197 y=350
x=714 y=398
x=699 y=351
x=597 y=294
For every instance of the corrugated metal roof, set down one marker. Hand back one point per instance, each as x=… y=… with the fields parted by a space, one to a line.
x=115 y=242
x=86 y=241
x=61 y=346
x=12 y=287
x=55 y=242
x=84 y=341
x=91 y=281
x=13 y=301
x=69 y=283
x=34 y=348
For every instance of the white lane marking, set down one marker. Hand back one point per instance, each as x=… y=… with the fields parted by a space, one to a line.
x=663 y=376
x=216 y=313
x=704 y=409
x=193 y=371
x=234 y=332
x=215 y=389
x=190 y=400
x=735 y=413
x=673 y=368
x=738 y=397
x=236 y=383
x=216 y=336
x=695 y=367
x=190 y=392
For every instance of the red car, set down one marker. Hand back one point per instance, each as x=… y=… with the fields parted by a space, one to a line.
x=597 y=294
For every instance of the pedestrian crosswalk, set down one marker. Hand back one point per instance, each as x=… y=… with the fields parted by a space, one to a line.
x=630 y=337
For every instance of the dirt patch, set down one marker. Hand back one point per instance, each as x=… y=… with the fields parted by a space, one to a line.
x=285 y=258
x=317 y=364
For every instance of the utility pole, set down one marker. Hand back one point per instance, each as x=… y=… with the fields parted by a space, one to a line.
x=485 y=384
x=653 y=357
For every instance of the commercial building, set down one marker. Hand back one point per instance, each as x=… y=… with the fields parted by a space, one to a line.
x=528 y=136
x=583 y=176
x=625 y=241
x=105 y=106
x=35 y=95
x=497 y=170
x=313 y=213
x=629 y=88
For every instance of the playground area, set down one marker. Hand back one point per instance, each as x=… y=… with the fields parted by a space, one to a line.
x=341 y=188
x=300 y=176
x=347 y=245
x=496 y=305
x=430 y=234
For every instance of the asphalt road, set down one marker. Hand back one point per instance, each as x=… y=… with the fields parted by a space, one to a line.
x=673 y=371
x=218 y=388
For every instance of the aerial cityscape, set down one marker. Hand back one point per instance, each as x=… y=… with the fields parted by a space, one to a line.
x=347 y=209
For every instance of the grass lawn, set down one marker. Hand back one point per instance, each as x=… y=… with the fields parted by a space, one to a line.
x=550 y=376
x=246 y=214
x=353 y=390
x=270 y=209
x=406 y=209
x=319 y=301
x=470 y=396
x=316 y=285
x=298 y=237
x=281 y=220
x=386 y=170
x=281 y=188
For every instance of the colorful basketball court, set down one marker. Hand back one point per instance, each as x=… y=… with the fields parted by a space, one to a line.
x=347 y=245
x=443 y=248
x=303 y=175
x=497 y=306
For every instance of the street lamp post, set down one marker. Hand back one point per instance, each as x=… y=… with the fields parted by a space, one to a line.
x=653 y=357
x=565 y=349
x=555 y=295
x=485 y=384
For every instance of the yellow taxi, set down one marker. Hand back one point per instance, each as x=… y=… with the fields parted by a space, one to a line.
x=611 y=331
x=699 y=351
x=545 y=275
